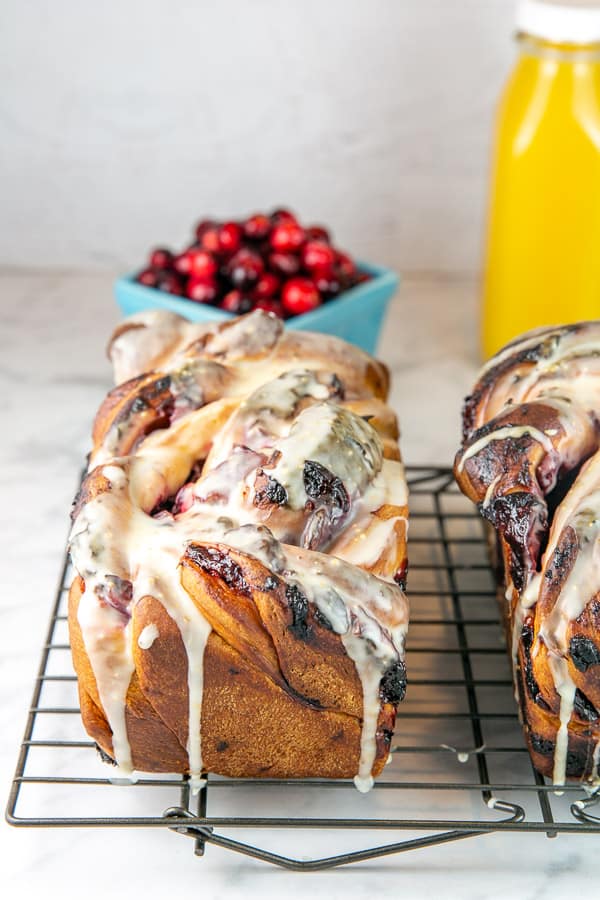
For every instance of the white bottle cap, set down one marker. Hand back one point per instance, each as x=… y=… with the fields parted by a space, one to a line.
x=560 y=21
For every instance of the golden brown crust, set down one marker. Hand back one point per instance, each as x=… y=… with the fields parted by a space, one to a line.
x=310 y=663
x=309 y=737
x=136 y=408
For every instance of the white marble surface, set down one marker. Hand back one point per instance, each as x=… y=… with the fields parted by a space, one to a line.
x=52 y=333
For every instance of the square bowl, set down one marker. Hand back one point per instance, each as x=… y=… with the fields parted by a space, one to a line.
x=357 y=315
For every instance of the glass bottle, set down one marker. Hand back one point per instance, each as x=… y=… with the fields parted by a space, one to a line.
x=542 y=263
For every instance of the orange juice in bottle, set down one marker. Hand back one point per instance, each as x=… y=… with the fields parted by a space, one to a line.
x=542 y=264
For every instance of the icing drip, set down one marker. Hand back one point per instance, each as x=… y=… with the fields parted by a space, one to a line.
x=596 y=764
x=490 y=492
x=108 y=645
x=565 y=689
x=147 y=637
x=525 y=602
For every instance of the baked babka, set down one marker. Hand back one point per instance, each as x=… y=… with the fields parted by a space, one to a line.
x=530 y=459
x=240 y=549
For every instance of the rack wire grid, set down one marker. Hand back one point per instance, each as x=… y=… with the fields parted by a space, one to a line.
x=458 y=769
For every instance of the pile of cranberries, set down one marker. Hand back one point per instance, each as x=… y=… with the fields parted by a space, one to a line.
x=269 y=262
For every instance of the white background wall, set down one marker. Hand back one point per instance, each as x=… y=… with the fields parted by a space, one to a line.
x=122 y=121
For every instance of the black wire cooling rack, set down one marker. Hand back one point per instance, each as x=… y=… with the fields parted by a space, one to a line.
x=459 y=766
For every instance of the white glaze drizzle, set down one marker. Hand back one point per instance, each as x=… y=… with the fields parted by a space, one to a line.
x=565 y=688
x=528 y=340
x=567 y=345
x=108 y=645
x=596 y=764
x=367 y=539
x=567 y=377
x=526 y=600
x=490 y=492
x=506 y=431
x=147 y=636
x=342 y=442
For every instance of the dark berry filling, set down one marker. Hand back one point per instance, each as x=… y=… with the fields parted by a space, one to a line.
x=219 y=565
x=298 y=605
x=268 y=491
x=584 y=652
x=392 y=686
x=321 y=484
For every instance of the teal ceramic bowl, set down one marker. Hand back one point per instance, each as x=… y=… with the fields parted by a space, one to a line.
x=357 y=315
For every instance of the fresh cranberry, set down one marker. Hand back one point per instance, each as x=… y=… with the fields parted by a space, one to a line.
x=299 y=295
x=327 y=284
x=149 y=277
x=266 y=286
x=230 y=238
x=202 y=264
x=170 y=283
x=287 y=237
x=285 y=264
x=203 y=226
x=202 y=290
x=183 y=263
x=317 y=255
x=282 y=215
x=236 y=302
x=245 y=268
x=318 y=233
x=161 y=258
x=361 y=277
x=257 y=227
x=209 y=239
x=345 y=264
x=268 y=304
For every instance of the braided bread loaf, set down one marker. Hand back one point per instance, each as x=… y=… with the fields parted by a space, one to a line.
x=239 y=543
x=530 y=459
